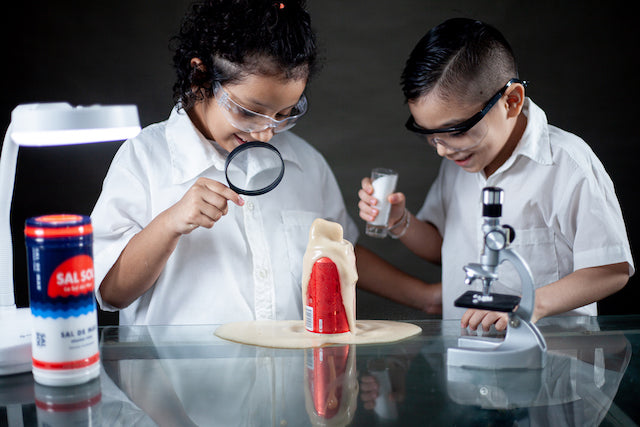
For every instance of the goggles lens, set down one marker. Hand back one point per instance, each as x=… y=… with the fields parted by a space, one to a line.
x=467 y=134
x=249 y=121
x=459 y=141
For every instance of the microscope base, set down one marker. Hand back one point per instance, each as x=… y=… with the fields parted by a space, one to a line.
x=522 y=348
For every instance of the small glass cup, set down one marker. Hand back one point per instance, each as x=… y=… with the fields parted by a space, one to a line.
x=384 y=183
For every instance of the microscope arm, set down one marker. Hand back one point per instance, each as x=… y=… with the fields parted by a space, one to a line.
x=527 y=301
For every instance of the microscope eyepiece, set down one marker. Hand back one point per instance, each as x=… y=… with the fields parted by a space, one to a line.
x=492 y=198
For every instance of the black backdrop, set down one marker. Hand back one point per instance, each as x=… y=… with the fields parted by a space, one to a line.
x=581 y=59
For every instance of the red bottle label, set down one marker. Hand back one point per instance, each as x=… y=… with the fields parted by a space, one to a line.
x=325 y=308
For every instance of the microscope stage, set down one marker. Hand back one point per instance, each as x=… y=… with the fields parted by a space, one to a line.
x=492 y=302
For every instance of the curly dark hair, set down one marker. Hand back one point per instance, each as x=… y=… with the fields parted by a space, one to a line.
x=235 y=38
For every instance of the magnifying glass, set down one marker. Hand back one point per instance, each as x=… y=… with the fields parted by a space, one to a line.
x=254 y=168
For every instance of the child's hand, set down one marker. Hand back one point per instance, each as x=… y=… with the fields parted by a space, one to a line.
x=474 y=318
x=201 y=206
x=369 y=389
x=368 y=211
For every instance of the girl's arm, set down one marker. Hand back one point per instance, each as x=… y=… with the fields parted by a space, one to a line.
x=140 y=263
x=143 y=259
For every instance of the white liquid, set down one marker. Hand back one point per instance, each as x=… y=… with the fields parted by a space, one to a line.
x=292 y=333
x=382 y=187
x=325 y=240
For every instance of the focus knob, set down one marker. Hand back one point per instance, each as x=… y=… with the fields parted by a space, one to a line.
x=496 y=240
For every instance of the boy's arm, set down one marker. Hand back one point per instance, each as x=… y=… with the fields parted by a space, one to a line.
x=575 y=290
x=380 y=277
x=422 y=238
x=579 y=288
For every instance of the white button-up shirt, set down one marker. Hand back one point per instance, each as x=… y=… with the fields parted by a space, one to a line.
x=557 y=197
x=249 y=265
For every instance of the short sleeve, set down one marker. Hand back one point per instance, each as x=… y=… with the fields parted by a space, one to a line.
x=591 y=219
x=120 y=212
x=433 y=209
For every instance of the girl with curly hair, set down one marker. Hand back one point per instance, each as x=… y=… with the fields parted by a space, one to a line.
x=173 y=243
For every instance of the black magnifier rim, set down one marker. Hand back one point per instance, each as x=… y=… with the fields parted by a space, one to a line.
x=241 y=148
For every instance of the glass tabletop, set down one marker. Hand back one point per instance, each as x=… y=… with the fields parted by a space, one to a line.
x=185 y=375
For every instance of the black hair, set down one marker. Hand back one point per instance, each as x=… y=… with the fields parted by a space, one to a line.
x=235 y=38
x=460 y=57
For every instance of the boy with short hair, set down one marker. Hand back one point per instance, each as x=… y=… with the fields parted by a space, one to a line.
x=462 y=87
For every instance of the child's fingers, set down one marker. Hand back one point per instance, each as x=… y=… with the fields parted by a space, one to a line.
x=366 y=185
x=397 y=198
x=501 y=323
x=367 y=212
x=203 y=205
x=472 y=319
x=224 y=191
x=464 y=321
x=475 y=318
x=398 y=203
x=366 y=197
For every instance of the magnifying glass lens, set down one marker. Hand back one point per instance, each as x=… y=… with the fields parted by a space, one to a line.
x=254 y=168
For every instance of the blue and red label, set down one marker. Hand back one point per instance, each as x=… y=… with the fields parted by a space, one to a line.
x=63 y=282
x=60 y=265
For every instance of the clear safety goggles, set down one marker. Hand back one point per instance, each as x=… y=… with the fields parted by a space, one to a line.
x=466 y=135
x=459 y=140
x=249 y=121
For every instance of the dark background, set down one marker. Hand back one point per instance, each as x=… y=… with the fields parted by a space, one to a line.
x=581 y=59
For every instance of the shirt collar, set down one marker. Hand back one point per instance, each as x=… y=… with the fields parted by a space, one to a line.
x=534 y=142
x=191 y=153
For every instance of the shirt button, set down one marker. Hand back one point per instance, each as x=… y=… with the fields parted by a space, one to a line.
x=250 y=206
x=263 y=273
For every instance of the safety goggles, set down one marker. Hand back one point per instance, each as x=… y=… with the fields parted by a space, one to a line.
x=466 y=135
x=249 y=121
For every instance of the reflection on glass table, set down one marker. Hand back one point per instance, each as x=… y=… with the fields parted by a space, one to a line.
x=184 y=375
x=576 y=387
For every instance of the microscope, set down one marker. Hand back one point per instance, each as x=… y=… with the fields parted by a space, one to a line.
x=523 y=345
